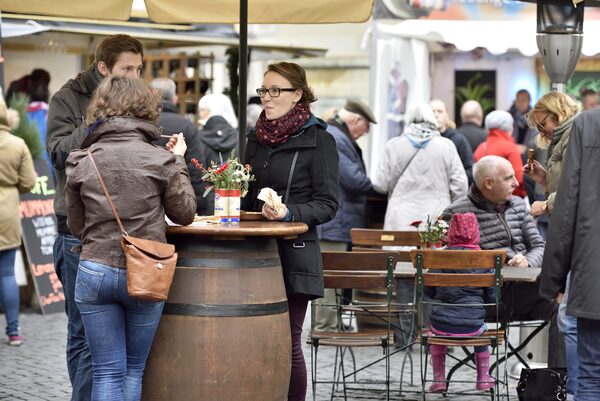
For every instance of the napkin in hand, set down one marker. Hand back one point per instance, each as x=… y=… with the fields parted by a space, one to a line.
x=271 y=198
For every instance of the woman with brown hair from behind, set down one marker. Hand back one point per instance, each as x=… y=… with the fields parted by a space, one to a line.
x=146 y=183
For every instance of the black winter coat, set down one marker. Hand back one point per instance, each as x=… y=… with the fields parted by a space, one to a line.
x=313 y=197
x=574 y=231
x=173 y=123
x=217 y=139
x=464 y=150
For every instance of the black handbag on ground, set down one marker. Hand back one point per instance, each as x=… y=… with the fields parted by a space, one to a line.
x=542 y=384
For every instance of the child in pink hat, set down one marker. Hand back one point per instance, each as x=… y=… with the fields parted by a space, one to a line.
x=449 y=320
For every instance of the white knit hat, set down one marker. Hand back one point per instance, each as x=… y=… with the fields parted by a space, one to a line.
x=499 y=119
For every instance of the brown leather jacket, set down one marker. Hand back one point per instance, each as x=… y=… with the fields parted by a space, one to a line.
x=144 y=181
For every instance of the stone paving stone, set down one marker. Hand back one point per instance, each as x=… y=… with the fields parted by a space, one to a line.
x=37 y=370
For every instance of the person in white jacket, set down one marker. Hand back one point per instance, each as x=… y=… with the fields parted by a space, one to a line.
x=420 y=171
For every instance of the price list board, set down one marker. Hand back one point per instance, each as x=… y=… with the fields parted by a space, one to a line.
x=39 y=231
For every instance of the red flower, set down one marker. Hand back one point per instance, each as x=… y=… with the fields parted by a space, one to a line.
x=416 y=223
x=196 y=163
x=222 y=168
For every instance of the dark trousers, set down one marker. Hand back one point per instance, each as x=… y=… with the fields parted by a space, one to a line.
x=79 y=359
x=297 y=304
x=523 y=302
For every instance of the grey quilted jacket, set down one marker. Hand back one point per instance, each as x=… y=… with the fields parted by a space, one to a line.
x=511 y=229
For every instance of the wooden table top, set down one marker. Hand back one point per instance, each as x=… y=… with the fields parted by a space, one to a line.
x=244 y=229
x=522 y=274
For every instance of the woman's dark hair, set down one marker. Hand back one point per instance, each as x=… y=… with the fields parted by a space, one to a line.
x=125 y=97
x=37 y=87
x=297 y=77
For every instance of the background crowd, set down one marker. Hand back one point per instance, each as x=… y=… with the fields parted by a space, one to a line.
x=481 y=170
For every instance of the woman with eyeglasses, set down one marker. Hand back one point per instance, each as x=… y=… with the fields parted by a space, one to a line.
x=291 y=153
x=553 y=116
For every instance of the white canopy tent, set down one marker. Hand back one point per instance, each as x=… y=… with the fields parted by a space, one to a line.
x=497 y=37
x=404 y=49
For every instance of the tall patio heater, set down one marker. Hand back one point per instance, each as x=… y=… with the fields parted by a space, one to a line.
x=559 y=38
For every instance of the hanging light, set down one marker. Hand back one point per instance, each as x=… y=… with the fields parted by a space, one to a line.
x=559 y=38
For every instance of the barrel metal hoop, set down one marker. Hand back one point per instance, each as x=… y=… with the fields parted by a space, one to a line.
x=220 y=310
x=257 y=263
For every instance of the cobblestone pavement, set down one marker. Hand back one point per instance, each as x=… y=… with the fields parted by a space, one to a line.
x=37 y=370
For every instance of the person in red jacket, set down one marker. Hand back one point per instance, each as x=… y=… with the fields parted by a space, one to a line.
x=500 y=142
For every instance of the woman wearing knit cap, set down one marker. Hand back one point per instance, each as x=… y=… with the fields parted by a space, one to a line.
x=458 y=320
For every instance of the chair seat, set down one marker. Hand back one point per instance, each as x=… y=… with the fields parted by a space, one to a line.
x=485 y=338
x=341 y=339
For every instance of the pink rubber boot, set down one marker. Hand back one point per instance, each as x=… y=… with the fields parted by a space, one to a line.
x=484 y=380
x=438 y=363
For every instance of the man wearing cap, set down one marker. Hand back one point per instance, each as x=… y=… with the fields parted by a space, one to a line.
x=349 y=124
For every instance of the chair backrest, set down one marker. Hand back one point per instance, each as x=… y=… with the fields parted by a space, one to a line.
x=371 y=240
x=377 y=238
x=453 y=260
x=359 y=270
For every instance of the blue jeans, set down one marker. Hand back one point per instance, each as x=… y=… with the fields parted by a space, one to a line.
x=588 y=349
x=79 y=360
x=120 y=330
x=9 y=291
x=567 y=325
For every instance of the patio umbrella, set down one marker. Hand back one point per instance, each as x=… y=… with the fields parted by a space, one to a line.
x=208 y=11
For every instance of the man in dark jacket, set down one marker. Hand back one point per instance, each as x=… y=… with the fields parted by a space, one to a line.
x=462 y=144
x=471 y=116
x=573 y=246
x=505 y=223
x=349 y=124
x=522 y=132
x=172 y=123
x=116 y=55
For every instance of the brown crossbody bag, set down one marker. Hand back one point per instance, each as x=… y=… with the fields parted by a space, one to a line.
x=150 y=264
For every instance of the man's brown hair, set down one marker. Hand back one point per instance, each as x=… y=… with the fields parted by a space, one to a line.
x=112 y=46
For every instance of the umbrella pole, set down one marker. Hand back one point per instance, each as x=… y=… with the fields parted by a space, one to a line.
x=243 y=72
x=2 y=61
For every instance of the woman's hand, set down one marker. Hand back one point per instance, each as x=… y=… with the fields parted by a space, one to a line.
x=538 y=208
x=537 y=172
x=177 y=145
x=271 y=214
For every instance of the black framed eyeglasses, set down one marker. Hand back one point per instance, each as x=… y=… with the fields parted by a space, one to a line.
x=541 y=127
x=273 y=92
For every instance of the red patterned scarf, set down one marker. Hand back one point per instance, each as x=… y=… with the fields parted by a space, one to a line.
x=276 y=132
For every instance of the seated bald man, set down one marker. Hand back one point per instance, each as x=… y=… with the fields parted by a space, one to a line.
x=505 y=223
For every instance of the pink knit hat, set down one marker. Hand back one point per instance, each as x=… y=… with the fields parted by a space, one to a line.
x=464 y=230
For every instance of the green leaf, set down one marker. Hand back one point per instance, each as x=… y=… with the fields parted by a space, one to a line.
x=26 y=129
x=207 y=191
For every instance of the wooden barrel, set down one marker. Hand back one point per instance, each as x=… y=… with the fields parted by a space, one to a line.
x=224 y=333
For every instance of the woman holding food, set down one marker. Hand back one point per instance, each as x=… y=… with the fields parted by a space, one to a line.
x=553 y=116
x=291 y=153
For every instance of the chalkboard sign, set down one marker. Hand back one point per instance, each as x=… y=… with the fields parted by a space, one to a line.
x=39 y=231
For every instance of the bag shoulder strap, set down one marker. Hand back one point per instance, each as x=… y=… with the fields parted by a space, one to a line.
x=408 y=164
x=289 y=184
x=112 y=206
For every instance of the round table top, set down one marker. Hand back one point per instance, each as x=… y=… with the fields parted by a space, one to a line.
x=244 y=229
